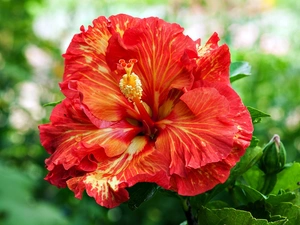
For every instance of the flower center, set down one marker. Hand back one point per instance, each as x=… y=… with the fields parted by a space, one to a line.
x=131 y=87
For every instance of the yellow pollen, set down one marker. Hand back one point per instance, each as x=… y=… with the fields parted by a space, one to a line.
x=130 y=84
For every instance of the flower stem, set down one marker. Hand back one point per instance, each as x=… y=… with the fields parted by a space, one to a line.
x=269 y=183
x=191 y=220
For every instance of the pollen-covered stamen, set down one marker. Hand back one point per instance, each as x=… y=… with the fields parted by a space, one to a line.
x=131 y=86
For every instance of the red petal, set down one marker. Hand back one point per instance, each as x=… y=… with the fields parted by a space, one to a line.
x=117 y=159
x=197 y=132
x=161 y=50
x=145 y=163
x=65 y=116
x=58 y=176
x=166 y=108
x=213 y=62
x=87 y=49
x=140 y=163
x=99 y=188
x=207 y=177
x=238 y=114
x=122 y=22
x=87 y=75
x=212 y=114
x=201 y=180
x=68 y=140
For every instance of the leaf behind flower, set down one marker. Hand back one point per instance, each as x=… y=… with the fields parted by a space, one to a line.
x=52 y=103
x=239 y=70
x=231 y=216
x=140 y=193
x=256 y=114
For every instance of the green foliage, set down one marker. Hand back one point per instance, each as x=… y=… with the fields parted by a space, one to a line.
x=249 y=159
x=239 y=70
x=282 y=196
x=288 y=179
x=254 y=141
x=17 y=205
x=52 y=103
x=231 y=216
x=240 y=199
x=140 y=193
x=245 y=194
x=286 y=210
x=256 y=114
x=250 y=206
x=254 y=177
x=273 y=88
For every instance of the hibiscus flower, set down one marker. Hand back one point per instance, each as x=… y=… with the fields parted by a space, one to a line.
x=144 y=103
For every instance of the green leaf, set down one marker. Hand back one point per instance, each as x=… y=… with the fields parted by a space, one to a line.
x=140 y=193
x=288 y=210
x=270 y=181
x=256 y=115
x=281 y=197
x=239 y=70
x=288 y=178
x=248 y=160
x=231 y=216
x=254 y=178
x=18 y=205
x=244 y=194
x=296 y=201
x=254 y=142
x=52 y=103
x=217 y=204
x=16 y=186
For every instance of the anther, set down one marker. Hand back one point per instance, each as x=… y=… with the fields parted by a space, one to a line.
x=133 y=61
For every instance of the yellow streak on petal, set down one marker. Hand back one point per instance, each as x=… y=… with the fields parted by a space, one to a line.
x=165 y=109
x=114 y=183
x=137 y=144
x=119 y=30
x=202 y=50
x=88 y=59
x=101 y=183
x=98 y=42
x=103 y=69
x=98 y=184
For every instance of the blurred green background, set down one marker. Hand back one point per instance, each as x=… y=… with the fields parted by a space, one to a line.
x=34 y=34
